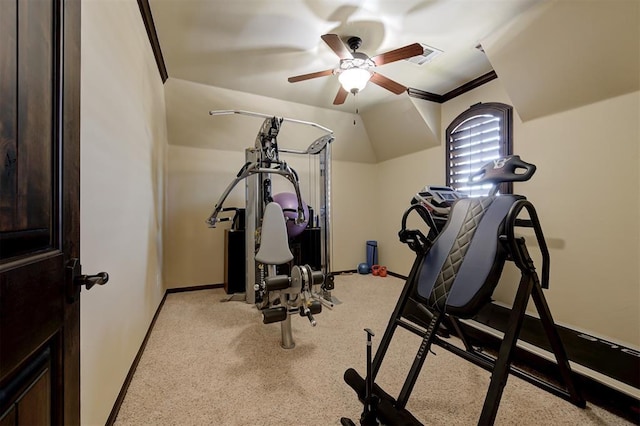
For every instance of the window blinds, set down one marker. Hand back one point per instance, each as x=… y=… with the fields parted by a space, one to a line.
x=473 y=143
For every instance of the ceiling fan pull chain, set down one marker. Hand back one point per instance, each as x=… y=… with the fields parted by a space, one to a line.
x=355 y=100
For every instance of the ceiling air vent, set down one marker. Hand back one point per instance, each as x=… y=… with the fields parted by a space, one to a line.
x=428 y=54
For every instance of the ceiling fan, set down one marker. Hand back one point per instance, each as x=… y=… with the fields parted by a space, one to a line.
x=356 y=68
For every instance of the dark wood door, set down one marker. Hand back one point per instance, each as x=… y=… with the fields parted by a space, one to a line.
x=39 y=211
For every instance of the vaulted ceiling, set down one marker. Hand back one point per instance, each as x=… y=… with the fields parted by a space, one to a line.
x=548 y=55
x=255 y=45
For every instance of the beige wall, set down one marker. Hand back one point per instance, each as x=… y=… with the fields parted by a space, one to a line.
x=586 y=195
x=399 y=180
x=123 y=144
x=594 y=247
x=355 y=218
x=194 y=253
x=197 y=177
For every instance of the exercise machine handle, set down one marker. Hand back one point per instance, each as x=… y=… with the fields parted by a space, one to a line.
x=414 y=238
x=505 y=169
x=511 y=222
x=314 y=307
x=306 y=312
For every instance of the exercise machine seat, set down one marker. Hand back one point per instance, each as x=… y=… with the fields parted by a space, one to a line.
x=462 y=268
x=274 y=242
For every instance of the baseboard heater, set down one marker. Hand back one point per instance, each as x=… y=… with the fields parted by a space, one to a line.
x=608 y=358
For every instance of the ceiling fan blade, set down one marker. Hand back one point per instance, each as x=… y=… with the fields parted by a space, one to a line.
x=334 y=42
x=341 y=96
x=409 y=51
x=387 y=83
x=310 y=76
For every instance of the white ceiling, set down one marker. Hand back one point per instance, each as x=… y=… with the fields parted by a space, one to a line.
x=549 y=55
x=255 y=45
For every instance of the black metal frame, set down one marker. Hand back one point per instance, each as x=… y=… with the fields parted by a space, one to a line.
x=413 y=316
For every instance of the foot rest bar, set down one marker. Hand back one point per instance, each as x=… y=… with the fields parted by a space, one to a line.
x=387 y=413
x=278 y=282
x=271 y=315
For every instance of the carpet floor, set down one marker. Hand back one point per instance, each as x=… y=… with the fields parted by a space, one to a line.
x=212 y=362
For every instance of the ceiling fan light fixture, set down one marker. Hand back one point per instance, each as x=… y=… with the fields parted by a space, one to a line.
x=354 y=79
x=355 y=68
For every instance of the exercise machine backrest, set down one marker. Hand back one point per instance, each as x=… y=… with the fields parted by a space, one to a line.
x=461 y=269
x=274 y=243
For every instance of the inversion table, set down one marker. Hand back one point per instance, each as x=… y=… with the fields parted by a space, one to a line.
x=453 y=276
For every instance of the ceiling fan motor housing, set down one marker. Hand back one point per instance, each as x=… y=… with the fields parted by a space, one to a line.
x=354 y=43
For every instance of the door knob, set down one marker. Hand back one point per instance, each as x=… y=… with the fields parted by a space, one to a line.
x=90 y=280
x=75 y=279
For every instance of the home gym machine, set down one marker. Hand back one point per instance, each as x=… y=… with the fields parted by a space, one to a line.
x=304 y=291
x=453 y=276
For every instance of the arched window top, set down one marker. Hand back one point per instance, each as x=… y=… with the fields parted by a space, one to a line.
x=480 y=134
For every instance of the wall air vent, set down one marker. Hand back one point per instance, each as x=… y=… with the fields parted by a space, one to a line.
x=427 y=55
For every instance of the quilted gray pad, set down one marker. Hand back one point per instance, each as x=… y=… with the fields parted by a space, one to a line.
x=476 y=209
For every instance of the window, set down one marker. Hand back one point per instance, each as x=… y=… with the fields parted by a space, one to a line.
x=480 y=134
